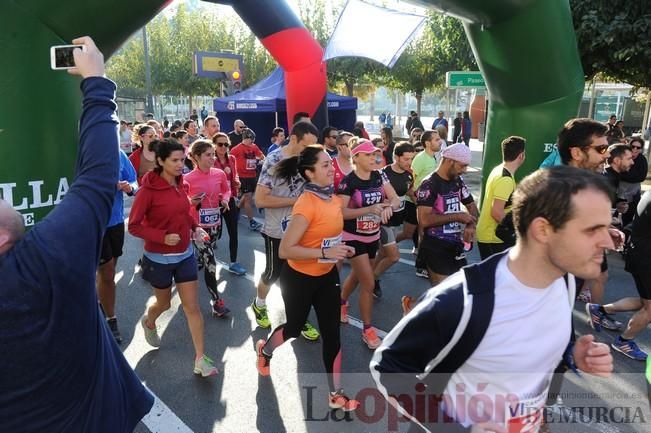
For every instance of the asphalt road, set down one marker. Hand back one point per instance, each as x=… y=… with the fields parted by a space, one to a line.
x=293 y=399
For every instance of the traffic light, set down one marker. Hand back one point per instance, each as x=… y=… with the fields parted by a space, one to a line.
x=236 y=80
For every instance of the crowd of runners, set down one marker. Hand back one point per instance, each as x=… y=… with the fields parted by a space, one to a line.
x=331 y=196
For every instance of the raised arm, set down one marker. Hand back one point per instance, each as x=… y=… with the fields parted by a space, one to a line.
x=71 y=234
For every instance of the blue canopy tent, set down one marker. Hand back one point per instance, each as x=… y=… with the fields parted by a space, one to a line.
x=262 y=107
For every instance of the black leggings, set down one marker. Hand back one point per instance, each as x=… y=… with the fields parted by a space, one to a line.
x=301 y=292
x=205 y=252
x=230 y=218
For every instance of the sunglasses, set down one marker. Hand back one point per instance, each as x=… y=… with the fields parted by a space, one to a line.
x=221 y=144
x=601 y=149
x=636 y=147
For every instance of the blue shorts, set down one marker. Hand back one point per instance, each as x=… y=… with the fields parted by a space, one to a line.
x=160 y=275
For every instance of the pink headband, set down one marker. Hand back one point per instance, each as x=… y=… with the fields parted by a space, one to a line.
x=366 y=147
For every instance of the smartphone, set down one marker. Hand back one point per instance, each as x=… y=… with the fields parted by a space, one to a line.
x=61 y=56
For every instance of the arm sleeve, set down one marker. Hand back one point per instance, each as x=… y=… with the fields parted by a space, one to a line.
x=137 y=217
x=127 y=172
x=266 y=179
x=224 y=186
x=79 y=221
x=236 y=176
x=344 y=187
x=466 y=196
x=304 y=207
x=424 y=195
x=503 y=188
x=412 y=344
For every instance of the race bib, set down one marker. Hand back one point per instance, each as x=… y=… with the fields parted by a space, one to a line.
x=525 y=416
x=452 y=205
x=327 y=243
x=210 y=217
x=368 y=224
x=251 y=164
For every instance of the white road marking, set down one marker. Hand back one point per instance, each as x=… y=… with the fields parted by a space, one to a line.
x=161 y=419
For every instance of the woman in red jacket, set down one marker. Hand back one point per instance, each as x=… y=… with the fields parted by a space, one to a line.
x=210 y=186
x=161 y=216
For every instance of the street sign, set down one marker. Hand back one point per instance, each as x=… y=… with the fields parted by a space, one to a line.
x=215 y=65
x=464 y=80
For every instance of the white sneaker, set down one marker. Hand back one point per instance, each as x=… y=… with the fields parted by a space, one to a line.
x=205 y=367
x=151 y=335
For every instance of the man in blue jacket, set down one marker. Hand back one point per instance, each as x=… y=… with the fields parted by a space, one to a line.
x=474 y=342
x=60 y=369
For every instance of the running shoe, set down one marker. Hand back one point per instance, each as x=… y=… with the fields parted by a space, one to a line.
x=261 y=317
x=263 y=361
x=608 y=322
x=369 y=336
x=151 y=335
x=585 y=296
x=339 y=400
x=218 y=308
x=113 y=326
x=629 y=348
x=254 y=225
x=237 y=269
x=595 y=316
x=309 y=332
x=377 y=290
x=420 y=272
x=205 y=367
x=406 y=302
x=344 y=313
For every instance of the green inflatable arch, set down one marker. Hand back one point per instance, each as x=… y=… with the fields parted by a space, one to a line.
x=526 y=50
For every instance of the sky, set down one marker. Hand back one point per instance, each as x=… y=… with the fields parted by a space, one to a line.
x=221 y=9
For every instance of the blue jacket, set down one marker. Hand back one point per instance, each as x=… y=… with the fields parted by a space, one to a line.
x=128 y=173
x=434 y=340
x=60 y=369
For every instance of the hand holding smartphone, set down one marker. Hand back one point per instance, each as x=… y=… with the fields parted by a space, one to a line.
x=81 y=58
x=61 y=56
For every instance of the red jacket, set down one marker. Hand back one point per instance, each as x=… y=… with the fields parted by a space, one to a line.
x=230 y=169
x=161 y=209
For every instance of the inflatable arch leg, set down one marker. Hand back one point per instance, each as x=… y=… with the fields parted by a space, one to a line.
x=528 y=54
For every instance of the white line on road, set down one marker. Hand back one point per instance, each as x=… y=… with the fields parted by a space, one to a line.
x=161 y=419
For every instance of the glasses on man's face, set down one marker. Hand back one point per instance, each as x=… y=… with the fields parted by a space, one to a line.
x=601 y=149
x=636 y=147
x=221 y=144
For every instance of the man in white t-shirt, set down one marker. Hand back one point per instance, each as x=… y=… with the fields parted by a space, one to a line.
x=475 y=341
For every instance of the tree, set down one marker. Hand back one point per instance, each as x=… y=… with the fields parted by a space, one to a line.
x=442 y=47
x=172 y=42
x=614 y=38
